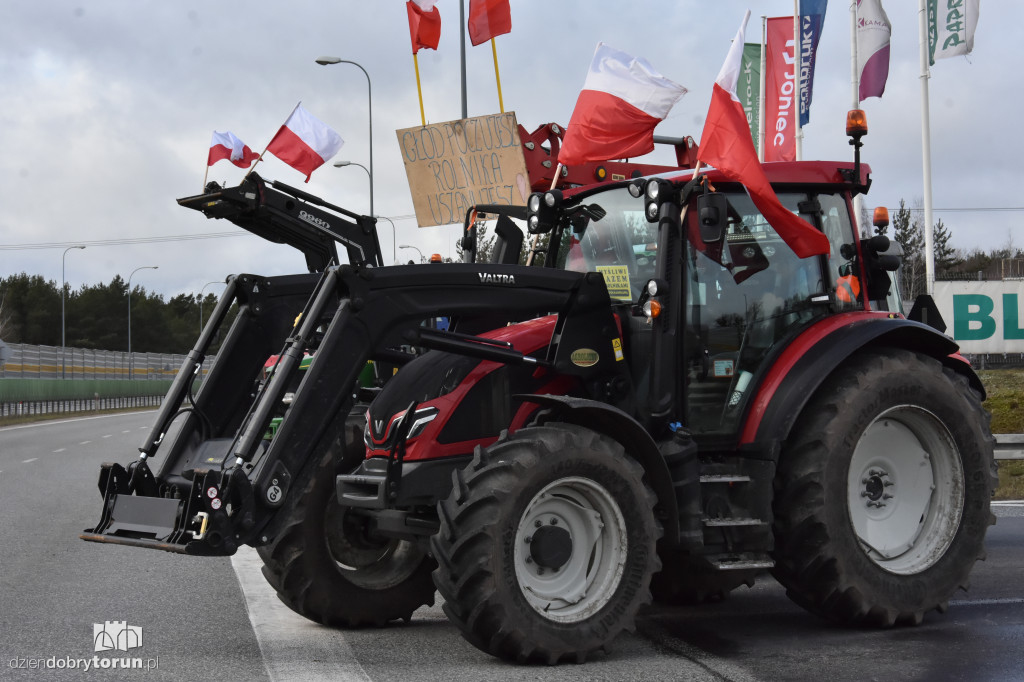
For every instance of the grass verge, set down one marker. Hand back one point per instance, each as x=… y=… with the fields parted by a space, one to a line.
x=1005 y=388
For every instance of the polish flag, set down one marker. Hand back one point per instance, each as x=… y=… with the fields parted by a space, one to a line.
x=726 y=144
x=487 y=19
x=305 y=142
x=424 y=24
x=227 y=146
x=622 y=100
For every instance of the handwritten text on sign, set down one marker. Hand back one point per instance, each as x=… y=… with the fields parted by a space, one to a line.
x=454 y=165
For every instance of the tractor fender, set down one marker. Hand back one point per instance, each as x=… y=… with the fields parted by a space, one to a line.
x=621 y=427
x=802 y=366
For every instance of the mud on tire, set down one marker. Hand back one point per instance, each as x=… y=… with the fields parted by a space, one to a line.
x=325 y=567
x=882 y=491
x=547 y=545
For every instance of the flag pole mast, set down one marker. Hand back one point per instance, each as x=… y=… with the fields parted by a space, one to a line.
x=497 y=76
x=798 y=100
x=419 y=90
x=764 y=65
x=926 y=151
x=858 y=200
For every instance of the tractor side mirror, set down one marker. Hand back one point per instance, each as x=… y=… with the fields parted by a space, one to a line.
x=713 y=214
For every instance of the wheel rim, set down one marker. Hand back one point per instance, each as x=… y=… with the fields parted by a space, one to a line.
x=365 y=561
x=570 y=550
x=905 y=490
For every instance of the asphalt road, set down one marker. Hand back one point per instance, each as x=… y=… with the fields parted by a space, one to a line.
x=215 y=619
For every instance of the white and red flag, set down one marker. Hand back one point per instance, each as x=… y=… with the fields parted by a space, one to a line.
x=487 y=19
x=305 y=142
x=424 y=24
x=873 y=32
x=622 y=100
x=726 y=144
x=781 y=101
x=227 y=146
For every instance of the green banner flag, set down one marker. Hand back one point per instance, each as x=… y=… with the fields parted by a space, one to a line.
x=951 y=25
x=748 y=89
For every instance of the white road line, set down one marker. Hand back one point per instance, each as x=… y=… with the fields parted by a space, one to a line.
x=59 y=450
x=85 y=442
x=126 y=431
x=52 y=422
x=985 y=602
x=26 y=461
x=292 y=647
x=108 y=435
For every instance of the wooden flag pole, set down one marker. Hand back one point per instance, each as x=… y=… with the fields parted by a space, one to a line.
x=419 y=91
x=207 y=173
x=497 y=76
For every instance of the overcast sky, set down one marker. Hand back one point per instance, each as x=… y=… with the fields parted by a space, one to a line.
x=107 y=108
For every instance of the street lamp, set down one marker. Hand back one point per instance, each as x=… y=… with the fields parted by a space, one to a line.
x=144 y=267
x=63 y=284
x=407 y=246
x=201 y=304
x=394 y=234
x=325 y=61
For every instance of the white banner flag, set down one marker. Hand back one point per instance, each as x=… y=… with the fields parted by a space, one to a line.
x=951 y=27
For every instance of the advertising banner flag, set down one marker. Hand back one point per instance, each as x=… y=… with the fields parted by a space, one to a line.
x=951 y=28
x=748 y=89
x=873 y=32
x=812 y=19
x=780 y=100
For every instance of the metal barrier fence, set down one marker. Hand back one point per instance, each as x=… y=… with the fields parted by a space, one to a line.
x=25 y=361
x=39 y=407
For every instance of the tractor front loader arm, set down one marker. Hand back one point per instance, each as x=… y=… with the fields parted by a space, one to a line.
x=223 y=475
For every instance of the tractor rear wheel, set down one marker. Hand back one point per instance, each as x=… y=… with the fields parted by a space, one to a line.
x=326 y=565
x=547 y=545
x=882 y=491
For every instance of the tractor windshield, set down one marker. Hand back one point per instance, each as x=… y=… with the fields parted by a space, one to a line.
x=622 y=245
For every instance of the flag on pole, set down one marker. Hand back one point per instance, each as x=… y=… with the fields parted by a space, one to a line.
x=748 y=89
x=873 y=31
x=812 y=19
x=305 y=142
x=487 y=19
x=622 y=100
x=951 y=29
x=780 y=96
x=227 y=146
x=726 y=145
x=424 y=24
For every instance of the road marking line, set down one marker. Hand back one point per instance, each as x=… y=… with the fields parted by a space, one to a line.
x=51 y=422
x=292 y=647
x=85 y=442
x=59 y=450
x=107 y=436
x=1008 y=503
x=985 y=602
x=126 y=431
x=26 y=461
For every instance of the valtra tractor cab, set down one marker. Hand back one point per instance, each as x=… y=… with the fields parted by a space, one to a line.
x=671 y=404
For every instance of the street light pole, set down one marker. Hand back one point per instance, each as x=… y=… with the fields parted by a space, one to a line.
x=63 y=285
x=407 y=246
x=144 y=267
x=394 y=234
x=325 y=61
x=201 y=304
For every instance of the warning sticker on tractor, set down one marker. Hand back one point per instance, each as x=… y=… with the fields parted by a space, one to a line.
x=617 y=349
x=723 y=369
x=616 y=278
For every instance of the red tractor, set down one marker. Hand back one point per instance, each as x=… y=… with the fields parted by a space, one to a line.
x=672 y=404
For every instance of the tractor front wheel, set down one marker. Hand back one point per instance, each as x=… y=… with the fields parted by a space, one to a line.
x=327 y=565
x=882 y=491
x=547 y=545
